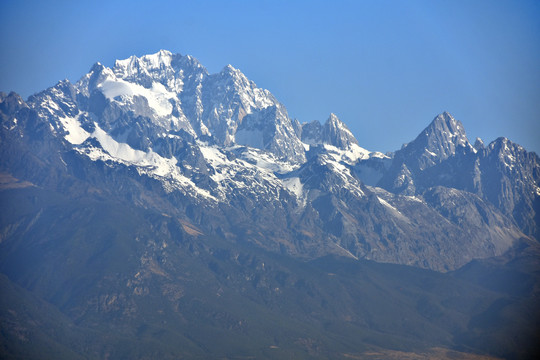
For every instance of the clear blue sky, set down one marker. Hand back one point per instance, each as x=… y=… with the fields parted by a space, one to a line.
x=386 y=68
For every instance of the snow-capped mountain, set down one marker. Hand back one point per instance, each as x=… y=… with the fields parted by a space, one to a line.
x=223 y=154
x=436 y=143
x=155 y=211
x=333 y=132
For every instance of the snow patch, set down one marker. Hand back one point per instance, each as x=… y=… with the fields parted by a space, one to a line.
x=294 y=185
x=213 y=155
x=266 y=161
x=352 y=154
x=393 y=210
x=158 y=96
x=368 y=175
x=149 y=163
x=76 y=135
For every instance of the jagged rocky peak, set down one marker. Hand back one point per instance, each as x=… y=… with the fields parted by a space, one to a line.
x=335 y=132
x=230 y=79
x=134 y=66
x=97 y=75
x=229 y=70
x=9 y=103
x=159 y=60
x=445 y=134
x=271 y=129
x=511 y=154
x=478 y=144
x=58 y=101
x=232 y=85
x=162 y=67
x=163 y=117
x=155 y=96
x=511 y=180
x=437 y=142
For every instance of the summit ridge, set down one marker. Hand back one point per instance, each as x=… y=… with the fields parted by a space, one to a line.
x=152 y=210
x=229 y=149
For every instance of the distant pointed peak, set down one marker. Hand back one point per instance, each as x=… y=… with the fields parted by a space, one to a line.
x=333 y=118
x=445 y=117
x=334 y=121
x=62 y=85
x=478 y=144
x=11 y=95
x=500 y=142
x=124 y=63
x=189 y=59
x=163 y=52
x=229 y=69
x=97 y=67
x=505 y=146
x=438 y=141
x=445 y=122
x=11 y=102
x=236 y=75
x=335 y=132
x=446 y=114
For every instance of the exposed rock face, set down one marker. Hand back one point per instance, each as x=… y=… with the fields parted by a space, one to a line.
x=152 y=208
x=161 y=132
x=502 y=173
x=334 y=132
x=311 y=132
x=165 y=93
x=436 y=143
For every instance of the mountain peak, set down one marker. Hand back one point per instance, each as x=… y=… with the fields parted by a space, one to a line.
x=158 y=60
x=437 y=142
x=478 y=144
x=188 y=60
x=10 y=103
x=97 y=67
x=445 y=122
x=333 y=117
x=444 y=131
x=231 y=70
x=147 y=68
x=335 y=132
x=230 y=73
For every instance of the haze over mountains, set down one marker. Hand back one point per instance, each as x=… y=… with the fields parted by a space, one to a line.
x=156 y=185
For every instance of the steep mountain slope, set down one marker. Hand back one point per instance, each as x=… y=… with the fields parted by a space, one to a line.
x=156 y=185
x=146 y=285
x=503 y=173
x=228 y=148
x=333 y=132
